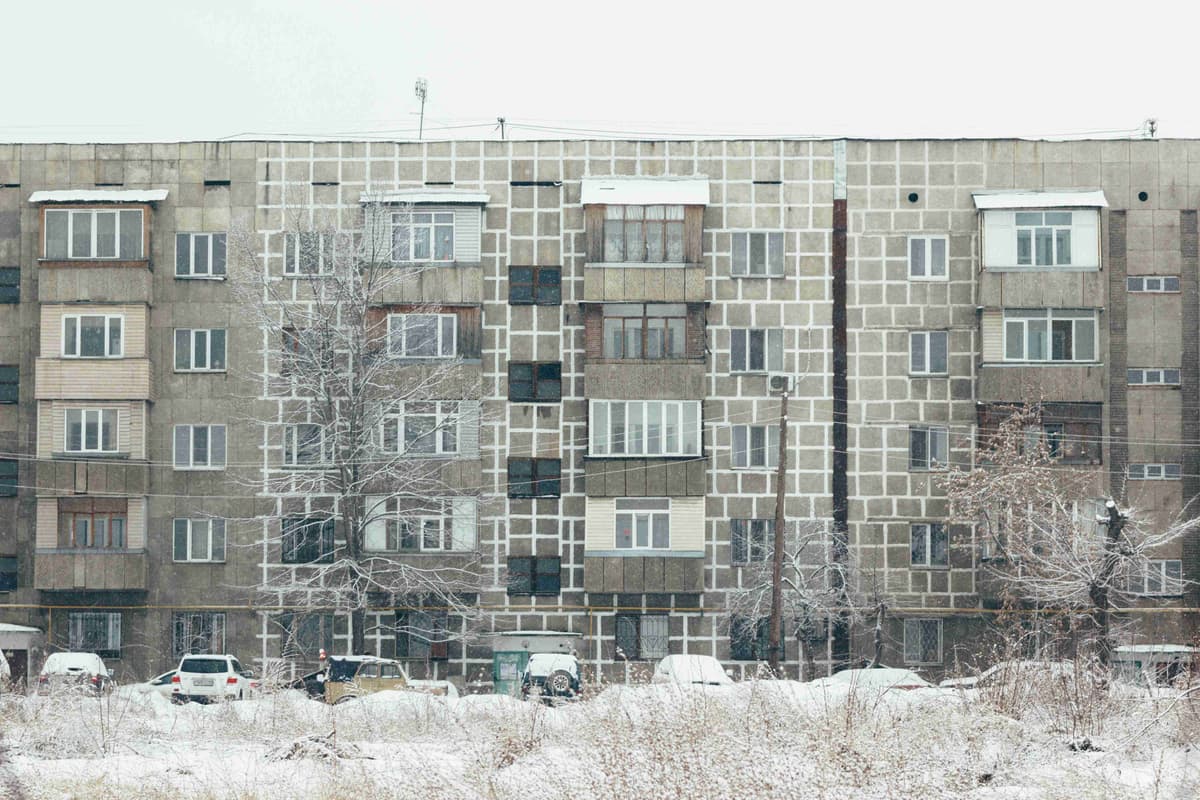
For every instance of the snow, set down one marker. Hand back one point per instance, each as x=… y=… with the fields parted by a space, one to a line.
x=751 y=739
x=1063 y=199
x=100 y=196
x=646 y=191
x=684 y=669
x=426 y=195
x=58 y=663
x=1181 y=649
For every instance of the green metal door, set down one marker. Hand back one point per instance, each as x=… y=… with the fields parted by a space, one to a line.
x=507 y=667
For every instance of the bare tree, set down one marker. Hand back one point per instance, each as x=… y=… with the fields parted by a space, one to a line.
x=1058 y=540
x=362 y=412
x=815 y=587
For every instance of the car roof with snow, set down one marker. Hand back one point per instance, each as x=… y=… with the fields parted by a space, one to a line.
x=692 y=668
x=73 y=662
x=879 y=676
x=544 y=663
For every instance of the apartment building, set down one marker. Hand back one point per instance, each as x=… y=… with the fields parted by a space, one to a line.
x=622 y=307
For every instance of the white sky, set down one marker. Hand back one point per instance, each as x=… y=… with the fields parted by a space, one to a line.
x=132 y=70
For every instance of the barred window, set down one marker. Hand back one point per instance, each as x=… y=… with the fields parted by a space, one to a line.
x=96 y=632
x=641 y=636
x=197 y=633
x=922 y=641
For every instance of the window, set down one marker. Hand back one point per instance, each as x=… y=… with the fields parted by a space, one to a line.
x=755 y=446
x=1043 y=238
x=540 y=575
x=92 y=523
x=641 y=637
x=927 y=258
x=423 y=428
x=422 y=634
x=1158 y=577
x=199 y=349
x=92 y=336
x=8 y=573
x=199 y=447
x=199 y=255
x=1155 y=472
x=197 y=633
x=8 y=477
x=756 y=350
x=309 y=253
x=928 y=448
x=199 y=540
x=1049 y=334
x=534 y=477
x=652 y=234
x=930 y=547
x=1153 y=377
x=643 y=523
x=414 y=525
x=535 y=381
x=422 y=335
x=535 y=286
x=752 y=540
x=1148 y=283
x=636 y=330
x=10 y=384
x=304 y=445
x=757 y=254
x=96 y=632
x=644 y=428
x=304 y=636
x=94 y=234
x=423 y=236
x=927 y=352
x=307 y=540
x=750 y=639
x=10 y=284
x=91 y=430
x=1071 y=432
x=922 y=641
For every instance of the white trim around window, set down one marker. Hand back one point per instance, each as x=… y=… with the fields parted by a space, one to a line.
x=422 y=428
x=93 y=335
x=200 y=255
x=644 y=428
x=928 y=352
x=304 y=445
x=430 y=336
x=754 y=446
x=1154 y=472
x=1051 y=335
x=91 y=430
x=757 y=254
x=756 y=350
x=1158 y=577
x=198 y=447
x=928 y=258
x=928 y=448
x=642 y=523
x=1153 y=284
x=425 y=525
x=200 y=349
x=425 y=236
x=198 y=540
x=93 y=234
x=1139 y=376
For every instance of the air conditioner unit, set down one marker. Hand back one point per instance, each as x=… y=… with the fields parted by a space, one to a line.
x=779 y=382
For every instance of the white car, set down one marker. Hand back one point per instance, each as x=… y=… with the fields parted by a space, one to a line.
x=691 y=670
x=209 y=677
x=74 y=670
x=879 y=679
x=159 y=684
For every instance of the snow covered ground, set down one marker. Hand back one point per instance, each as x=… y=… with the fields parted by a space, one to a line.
x=762 y=739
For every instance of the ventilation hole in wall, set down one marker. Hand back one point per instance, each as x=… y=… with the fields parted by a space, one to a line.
x=10 y=186
x=1143 y=196
x=913 y=197
x=439 y=183
x=324 y=183
x=768 y=183
x=216 y=183
x=535 y=183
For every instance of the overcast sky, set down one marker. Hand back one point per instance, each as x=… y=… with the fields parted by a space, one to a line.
x=130 y=70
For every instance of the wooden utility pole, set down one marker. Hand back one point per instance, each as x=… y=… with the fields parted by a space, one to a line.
x=776 y=631
x=1100 y=595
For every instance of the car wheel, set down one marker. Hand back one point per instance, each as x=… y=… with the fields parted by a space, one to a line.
x=559 y=684
x=346 y=698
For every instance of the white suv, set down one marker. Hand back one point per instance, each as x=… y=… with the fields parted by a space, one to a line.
x=205 y=678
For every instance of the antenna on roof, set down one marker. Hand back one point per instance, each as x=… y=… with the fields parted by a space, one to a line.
x=421 y=89
x=501 y=121
x=1149 y=128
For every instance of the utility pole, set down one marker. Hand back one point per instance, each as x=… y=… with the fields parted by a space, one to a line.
x=501 y=121
x=1100 y=596
x=776 y=631
x=422 y=89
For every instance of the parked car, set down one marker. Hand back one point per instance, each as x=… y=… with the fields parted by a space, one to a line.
x=203 y=678
x=74 y=670
x=1008 y=672
x=159 y=684
x=346 y=677
x=691 y=669
x=550 y=677
x=876 y=679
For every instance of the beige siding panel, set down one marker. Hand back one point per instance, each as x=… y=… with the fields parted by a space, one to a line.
x=45 y=434
x=600 y=522
x=47 y=523
x=136 y=515
x=468 y=222
x=687 y=524
x=92 y=379
x=992 y=329
x=134 y=333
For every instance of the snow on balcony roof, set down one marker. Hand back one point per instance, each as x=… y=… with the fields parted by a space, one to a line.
x=426 y=195
x=100 y=196
x=646 y=191
x=6 y=627
x=1063 y=199
x=1156 y=648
